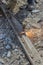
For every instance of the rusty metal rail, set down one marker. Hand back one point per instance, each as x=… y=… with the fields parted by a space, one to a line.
x=29 y=49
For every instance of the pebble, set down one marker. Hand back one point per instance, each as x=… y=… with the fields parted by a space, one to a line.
x=1 y=41
x=8 y=47
x=9 y=54
x=16 y=50
x=16 y=47
x=35 y=11
x=28 y=26
x=3 y=1
x=2 y=36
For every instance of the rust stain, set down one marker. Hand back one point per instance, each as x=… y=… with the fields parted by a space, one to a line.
x=34 y=34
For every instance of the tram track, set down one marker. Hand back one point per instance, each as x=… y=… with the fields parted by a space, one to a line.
x=31 y=52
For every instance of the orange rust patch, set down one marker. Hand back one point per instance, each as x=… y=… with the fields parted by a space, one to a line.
x=29 y=34
x=32 y=33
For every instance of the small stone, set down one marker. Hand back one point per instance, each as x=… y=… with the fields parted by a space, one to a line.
x=13 y=46
x=2 y=36
x=8 y=47
x=35 y=11
x=16 y=50
x=28 y=26
x=9 y=54
x=16 y=47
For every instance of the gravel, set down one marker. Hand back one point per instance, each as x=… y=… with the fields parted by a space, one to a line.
x=10 y=48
